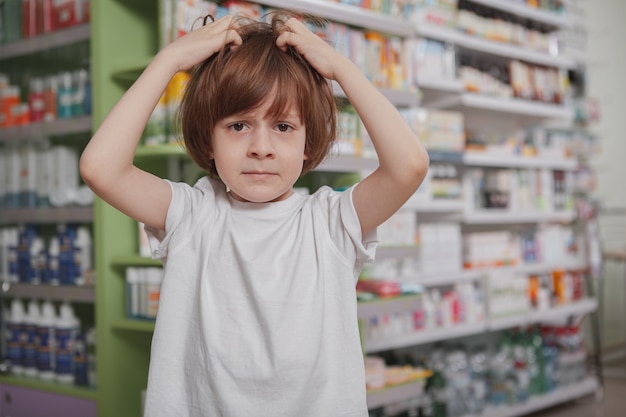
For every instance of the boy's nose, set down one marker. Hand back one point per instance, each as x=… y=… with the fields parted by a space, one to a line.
x=261 y=145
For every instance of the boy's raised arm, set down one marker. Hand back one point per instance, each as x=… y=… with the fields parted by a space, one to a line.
x=106 y=164
x=403 y=161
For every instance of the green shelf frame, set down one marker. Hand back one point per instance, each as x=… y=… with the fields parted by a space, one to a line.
x=128 y=74
x=124 y=38
x=134 y=325
x=134 y=260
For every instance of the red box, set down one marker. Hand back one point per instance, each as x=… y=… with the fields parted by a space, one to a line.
x=67 y=13
x=29 y=18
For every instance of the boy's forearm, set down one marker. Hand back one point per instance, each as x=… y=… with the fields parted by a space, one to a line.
x=396 y=145
x=113 y=145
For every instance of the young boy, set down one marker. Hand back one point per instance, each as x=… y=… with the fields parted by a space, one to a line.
x=258 y=311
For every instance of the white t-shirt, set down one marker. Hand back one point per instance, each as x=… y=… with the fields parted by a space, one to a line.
x=258 y=310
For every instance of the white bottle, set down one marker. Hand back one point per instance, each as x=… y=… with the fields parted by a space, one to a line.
x=36 y=248
x=15 y=348
x=132 y=292
x=45 y=347
x=4 y=252
x=30 y=338
x=65 y=332
x=429 y=311
x=82 y=256
x=54 y=251
x=12 y=239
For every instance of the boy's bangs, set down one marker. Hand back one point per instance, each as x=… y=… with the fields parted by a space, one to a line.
x=287 y=96
x=255 y=82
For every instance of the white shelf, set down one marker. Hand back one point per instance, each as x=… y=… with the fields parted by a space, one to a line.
x=450 y=278
x=587 y=386
x=47 y=215
x=521 y=10
x=349 y=15
x=554 y=314
x=440 y=84
x=513 y=161
x=540 y=268
x=514 y=106
x=390 y=395
x=399 y=98
x=44 y=42
x=492 y=47
x=40 y=130
x=510 y=217
x=424 y=336
x=71 y=293
x=537 y=268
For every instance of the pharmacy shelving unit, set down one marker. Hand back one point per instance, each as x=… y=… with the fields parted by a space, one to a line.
x=16 y=391
x=119 y=52
x=484 y=110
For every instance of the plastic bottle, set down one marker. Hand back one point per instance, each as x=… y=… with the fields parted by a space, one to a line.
x=478 y=384
x=534 y=362
x=12 y=245
x=500 y=371
x=154 y=277
x=15 y=348
x=8 y=254
x=429 y=311
x=45 y=346
x=65 y=96
x=90 y=339
x=12 y=187
x=11 y=23
x=65 y=332
x=4 y=254
x=66 y=235
x=81 y=372
x=9 y=98
x=54 y=251
x=37 y=247
x=28 y=176
x=31 y=321
x=82 y=256
x=25 y=240
x=79 y=81
x=51 y=88
x=550 y=353
x=36 y=103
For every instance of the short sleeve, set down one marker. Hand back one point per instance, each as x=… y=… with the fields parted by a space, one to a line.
x=345 y=231
x=186 y=201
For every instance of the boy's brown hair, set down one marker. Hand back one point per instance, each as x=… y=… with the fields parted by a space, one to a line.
x=239 y=79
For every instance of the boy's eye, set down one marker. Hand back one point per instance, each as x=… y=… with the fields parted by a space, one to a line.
x=237 y=127
x=283 y=127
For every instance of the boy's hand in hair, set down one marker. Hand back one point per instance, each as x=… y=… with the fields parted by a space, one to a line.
x=403 y=161
x=324 y=58
x=202 y=43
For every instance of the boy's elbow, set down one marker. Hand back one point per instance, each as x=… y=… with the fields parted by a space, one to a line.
x=88 y=169
x=419 y=166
